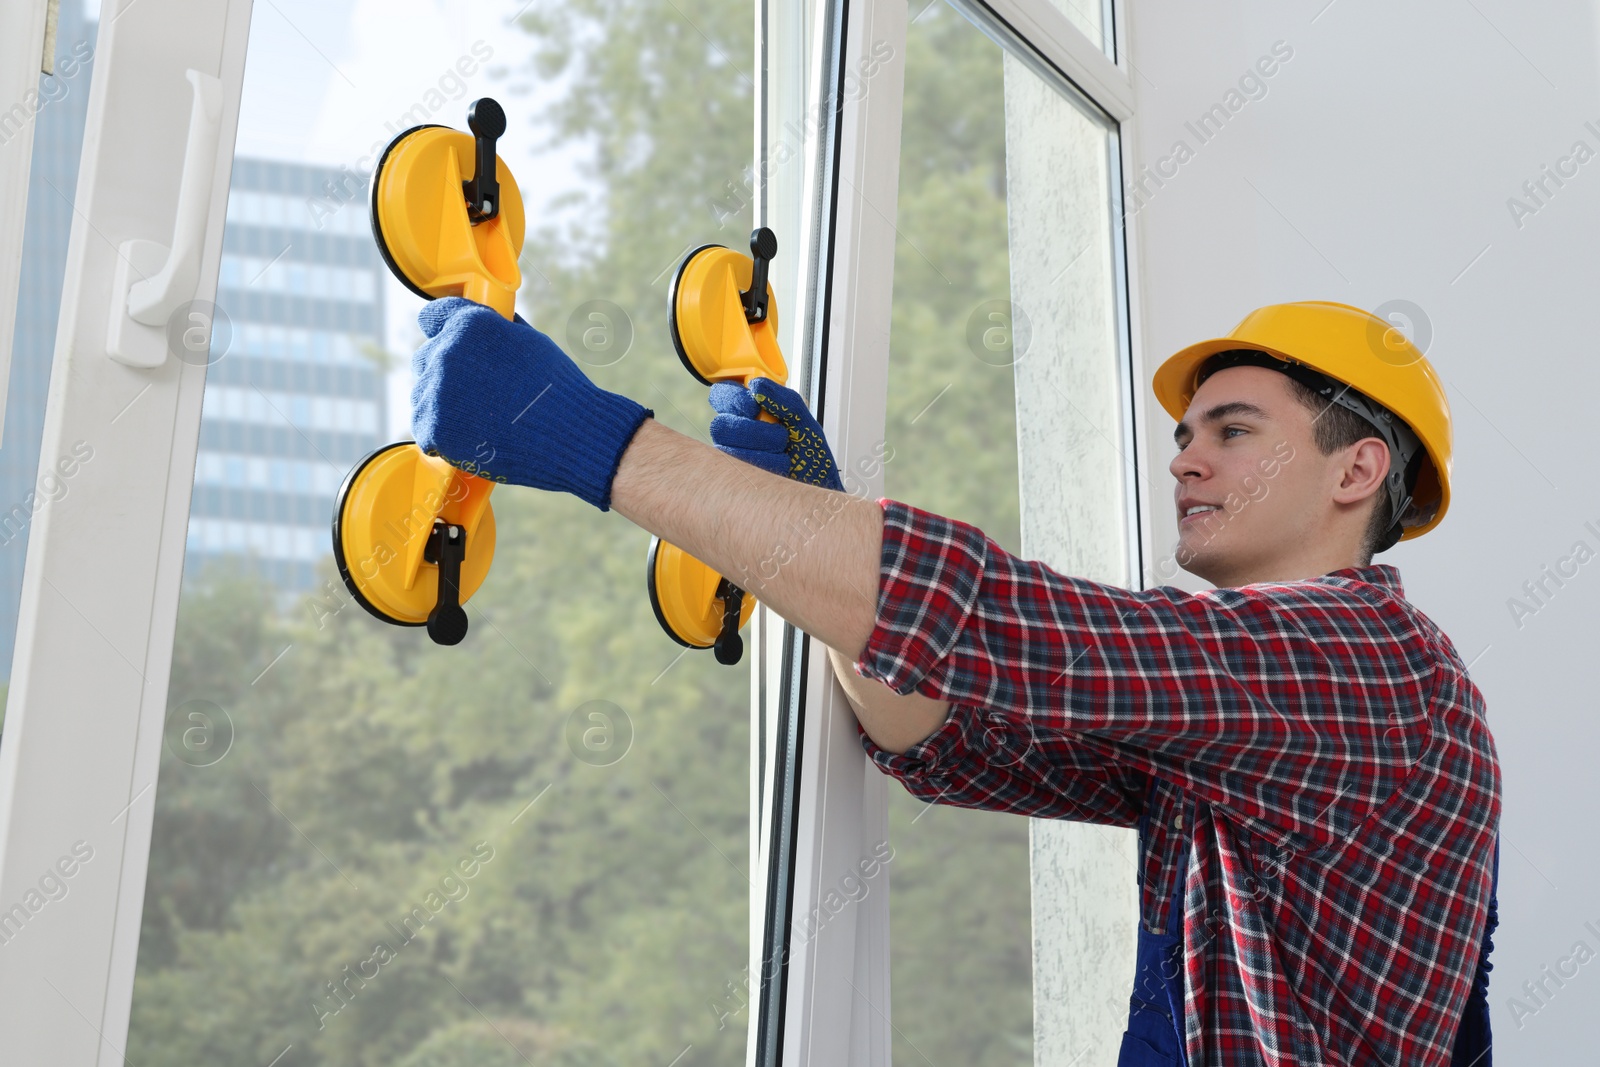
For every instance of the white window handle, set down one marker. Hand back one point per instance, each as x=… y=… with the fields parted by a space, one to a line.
x=153 y=280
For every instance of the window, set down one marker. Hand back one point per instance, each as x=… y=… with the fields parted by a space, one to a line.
x=1004 y=410
x=550 y=841
x=831 y=991
x=533 y=844
x=958 y=888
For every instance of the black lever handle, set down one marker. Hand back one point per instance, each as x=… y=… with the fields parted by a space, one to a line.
x=447 y=546
x=729 y=646
x=763 y=246
x=487 y=122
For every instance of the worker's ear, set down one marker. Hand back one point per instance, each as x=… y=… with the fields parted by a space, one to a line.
x=1365 y=465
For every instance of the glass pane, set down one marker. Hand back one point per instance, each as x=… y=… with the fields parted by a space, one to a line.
x=778 y=186
x=958 y=895
x=55 y=120
x=1005 y=386
x=1075 y=468
x=1093 y=17
x=532 y=846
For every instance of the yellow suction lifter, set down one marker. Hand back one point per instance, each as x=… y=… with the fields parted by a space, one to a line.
x=724 y=325
x=413 y=536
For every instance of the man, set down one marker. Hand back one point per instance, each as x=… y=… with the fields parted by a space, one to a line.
x=1308 y=765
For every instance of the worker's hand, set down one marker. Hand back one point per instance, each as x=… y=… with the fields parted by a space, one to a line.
x=500 y=400
x=792 y=447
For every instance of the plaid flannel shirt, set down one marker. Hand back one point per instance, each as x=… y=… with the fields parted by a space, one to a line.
x=1314 y=748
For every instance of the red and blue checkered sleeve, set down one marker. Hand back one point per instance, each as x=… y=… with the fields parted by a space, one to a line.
x=978 y=760
x=1300 y=704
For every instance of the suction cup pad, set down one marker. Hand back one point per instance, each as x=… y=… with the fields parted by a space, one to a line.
x=719 y=336
x=383 y=517
x=709 y=329
x=683 y=595
x=672 y=313
x=424 y=231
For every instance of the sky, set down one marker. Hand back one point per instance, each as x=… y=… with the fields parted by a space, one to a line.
x=325 y=80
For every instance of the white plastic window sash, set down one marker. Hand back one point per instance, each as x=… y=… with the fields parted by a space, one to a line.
x=1040 y=27
x=100 y=590
x=820 y=994
x=820 y=988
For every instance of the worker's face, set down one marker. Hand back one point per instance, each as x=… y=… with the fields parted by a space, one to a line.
x=1247 y=461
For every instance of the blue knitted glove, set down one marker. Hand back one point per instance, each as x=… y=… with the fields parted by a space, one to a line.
x=500 y=400
x=792 y=447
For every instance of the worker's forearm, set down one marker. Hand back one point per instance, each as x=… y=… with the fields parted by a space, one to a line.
x=810 y=554
x=894 y=722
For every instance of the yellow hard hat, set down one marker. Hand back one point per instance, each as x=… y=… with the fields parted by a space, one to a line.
x=1355 y=348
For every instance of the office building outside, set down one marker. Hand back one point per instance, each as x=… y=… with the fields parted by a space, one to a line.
x=295 y=394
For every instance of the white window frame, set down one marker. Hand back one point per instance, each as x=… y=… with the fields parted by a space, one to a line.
x=824 y=1001
x=100 y=594
x=88 y=695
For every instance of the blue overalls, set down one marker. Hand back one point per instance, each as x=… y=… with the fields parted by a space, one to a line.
x=1474 y=1043
x=1154 y=1037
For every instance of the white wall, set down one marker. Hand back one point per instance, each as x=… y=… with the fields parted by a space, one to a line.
x=1376 y=168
